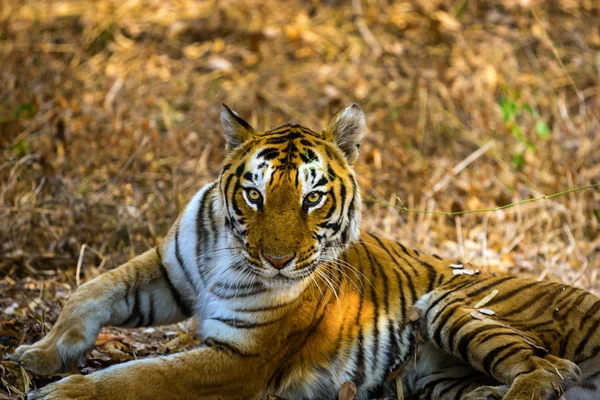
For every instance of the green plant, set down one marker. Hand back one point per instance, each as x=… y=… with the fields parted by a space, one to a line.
x=515 y=114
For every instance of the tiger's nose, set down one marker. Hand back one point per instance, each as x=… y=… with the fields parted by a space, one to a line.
x=279 y=261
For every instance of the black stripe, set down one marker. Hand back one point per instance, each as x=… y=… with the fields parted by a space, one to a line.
x=414 y=270
x=452 y=386
x=268 y=308
x=447 y=293
x=212 y=342
x=589 y=313
x=238 y=294
x=244 y=324
x=455 y=328
x=462 y=390
x=512 y=293
x=564 y=311
x=178 y=255
x=183 y=306
x=466 y=339
x=501 y=333
x=137 y=306
x=403 y=310
x=430 y=269
x=431 y=385
x=151 y=315
x=200 y=233
x=489 y=286
x=512 y=352
x=437 y=336
x=135 y=312
x=383 y=274
x=405 y=251
x=375 y=301
x=359 y=369
x=211 y=218
x=491 y=355
x=526 y=305
x=565 y=343
x=591 y=331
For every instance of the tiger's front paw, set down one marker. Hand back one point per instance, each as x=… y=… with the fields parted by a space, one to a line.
x=74 y=387
x=54 y=353
x=38 y=358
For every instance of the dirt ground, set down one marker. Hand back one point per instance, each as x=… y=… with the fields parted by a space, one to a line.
x=109 y=123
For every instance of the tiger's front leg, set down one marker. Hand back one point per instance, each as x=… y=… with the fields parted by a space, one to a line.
x=205 y=373
x=138 y=293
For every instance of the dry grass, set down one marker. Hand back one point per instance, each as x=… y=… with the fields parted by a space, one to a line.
x=109 y=123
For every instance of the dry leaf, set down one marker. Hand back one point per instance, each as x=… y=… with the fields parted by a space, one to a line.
x=399 y=388
x=465 y=272
x=478 y=315
x=413 y=314
x=447 y=21
x=347 y=391
x=107 y=337
x=487 y=299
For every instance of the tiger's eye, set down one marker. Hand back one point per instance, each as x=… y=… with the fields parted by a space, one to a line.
x=254 y=194
x=312 y=199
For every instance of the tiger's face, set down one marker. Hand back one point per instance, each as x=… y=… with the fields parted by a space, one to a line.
x=290 y=196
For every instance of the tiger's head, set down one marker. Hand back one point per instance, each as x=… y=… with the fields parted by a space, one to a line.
x=291 y=201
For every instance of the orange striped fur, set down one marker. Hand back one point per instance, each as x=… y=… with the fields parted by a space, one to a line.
x=291 y=299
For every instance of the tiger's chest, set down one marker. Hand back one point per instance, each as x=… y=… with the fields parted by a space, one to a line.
x=364 y=357
x=245 y=315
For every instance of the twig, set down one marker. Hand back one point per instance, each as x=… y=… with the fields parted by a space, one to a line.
x=364 y=30
x=549 y=43
x=544 y=197
x=442 y=183
x=79 y=262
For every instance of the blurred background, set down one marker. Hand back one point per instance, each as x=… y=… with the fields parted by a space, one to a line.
x=109 y=123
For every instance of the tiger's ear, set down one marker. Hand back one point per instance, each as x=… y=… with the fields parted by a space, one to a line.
x=236 y=130
x=347 y=129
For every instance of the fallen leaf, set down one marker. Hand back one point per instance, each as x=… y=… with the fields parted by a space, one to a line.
x=347 y=391
x=487 y=299
x=107 y=337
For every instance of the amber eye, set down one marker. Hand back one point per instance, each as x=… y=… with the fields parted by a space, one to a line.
x=254 y=196
x=312 y=199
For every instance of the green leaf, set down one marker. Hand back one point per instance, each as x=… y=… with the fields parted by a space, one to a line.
x=518 y=133
x=542 y=129
x=25 y=111
x=530 y=110
x=22 y=148
x=518 y=160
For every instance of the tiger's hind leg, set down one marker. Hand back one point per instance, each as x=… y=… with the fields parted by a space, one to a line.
x=493 y=347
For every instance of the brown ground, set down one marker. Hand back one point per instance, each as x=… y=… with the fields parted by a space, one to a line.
x=109 y=123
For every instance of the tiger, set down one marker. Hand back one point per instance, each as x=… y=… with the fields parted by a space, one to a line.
x=292 y=299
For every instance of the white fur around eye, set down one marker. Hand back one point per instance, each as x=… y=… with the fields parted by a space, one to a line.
x=317 y=205
x=251 y=204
